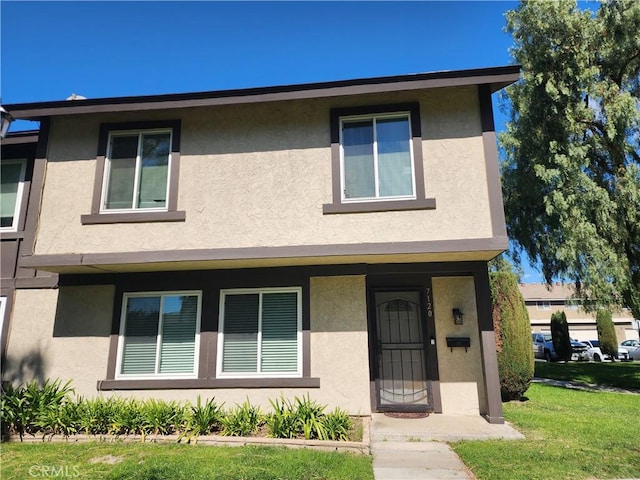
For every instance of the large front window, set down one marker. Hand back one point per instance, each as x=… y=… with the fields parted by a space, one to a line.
x=159 y=335
x=137 y=171
x=12 y=178
x=260 y=333
x=377 y=159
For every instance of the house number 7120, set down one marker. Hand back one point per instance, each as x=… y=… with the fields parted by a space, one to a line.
x=429 y=304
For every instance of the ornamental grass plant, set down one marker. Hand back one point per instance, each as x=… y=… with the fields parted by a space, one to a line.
x=50 y=409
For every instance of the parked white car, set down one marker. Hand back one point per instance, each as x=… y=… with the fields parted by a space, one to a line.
x=594 y=354
x=633 y=347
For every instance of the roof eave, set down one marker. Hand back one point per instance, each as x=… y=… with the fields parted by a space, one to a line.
x=496 y=77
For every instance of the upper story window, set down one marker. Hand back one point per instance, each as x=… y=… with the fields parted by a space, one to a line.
x=12 y=174
x=377 y=162
x=137 y=171
x=138 y=166
x=377 y=157
x=543 y=305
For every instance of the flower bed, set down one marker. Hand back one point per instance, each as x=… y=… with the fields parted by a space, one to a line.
x=49 y=411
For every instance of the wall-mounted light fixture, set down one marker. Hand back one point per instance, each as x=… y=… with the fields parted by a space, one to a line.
x=5 y=121
x=457 y=316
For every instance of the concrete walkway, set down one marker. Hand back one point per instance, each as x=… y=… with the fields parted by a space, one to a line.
x=414 y=449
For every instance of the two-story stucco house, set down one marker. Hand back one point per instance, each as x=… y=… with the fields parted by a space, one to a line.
x=328 y=239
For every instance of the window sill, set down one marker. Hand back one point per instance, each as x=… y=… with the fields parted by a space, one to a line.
x=208 y=383
x=133 y=217
x=7 y=235
x=384 y=206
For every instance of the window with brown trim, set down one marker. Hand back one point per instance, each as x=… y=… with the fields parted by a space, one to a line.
x=146 y=352
x=377 y=160
x=137 y=173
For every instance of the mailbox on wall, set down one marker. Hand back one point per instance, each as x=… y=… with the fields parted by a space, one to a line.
x=462 y=342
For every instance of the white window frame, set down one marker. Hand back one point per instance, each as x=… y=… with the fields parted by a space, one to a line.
x=3 y=306
x=374 y=117
x=240 y=291
x=19 y=194
x=572 y=305
x=121 y=336
x=136 y=187
x=543 y=306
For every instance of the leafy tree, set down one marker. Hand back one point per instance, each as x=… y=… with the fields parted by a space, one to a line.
x=607 y=333
x=560 y=336
x=513 y=335
x=571 y=176
x=502 y=264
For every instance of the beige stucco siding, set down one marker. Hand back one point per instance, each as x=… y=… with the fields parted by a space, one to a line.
x=339 y=354
x=461 y=377
x=258 y=175
x=60 y=334
x=339 y=341
x=64 y=334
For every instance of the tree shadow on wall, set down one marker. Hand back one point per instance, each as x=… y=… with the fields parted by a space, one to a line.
x=23 y=369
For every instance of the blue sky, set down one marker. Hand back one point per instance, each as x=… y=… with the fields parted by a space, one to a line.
x=50 y=50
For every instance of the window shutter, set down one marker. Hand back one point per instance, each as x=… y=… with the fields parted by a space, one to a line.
x=240 y=349
x=279 y=332
x=179 y=323
x=141 y=334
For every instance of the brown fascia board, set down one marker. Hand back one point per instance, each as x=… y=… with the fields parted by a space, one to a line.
x=496 y=77
x=171 y=258
x=20 y=138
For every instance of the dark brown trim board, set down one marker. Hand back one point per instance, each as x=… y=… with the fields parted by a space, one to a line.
x=8 y=293
x=171 y=214
x=133 y=217
x=489 y=142
x=83 y=263
x=488 y=347
x=495 y=77
x=208 y=383
x=19 y=138
x=383 y=206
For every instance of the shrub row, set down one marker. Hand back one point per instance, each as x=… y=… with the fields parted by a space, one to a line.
x=50 y=409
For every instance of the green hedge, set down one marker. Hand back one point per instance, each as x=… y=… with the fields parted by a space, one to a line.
x=513 y=335
x=607 y=333
x=560 y=336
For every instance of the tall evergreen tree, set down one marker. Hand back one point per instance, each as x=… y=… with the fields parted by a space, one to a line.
x=607 y=333
x=560 y=336
x=571 y=176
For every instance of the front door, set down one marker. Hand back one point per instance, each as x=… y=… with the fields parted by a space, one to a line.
x=402 y=380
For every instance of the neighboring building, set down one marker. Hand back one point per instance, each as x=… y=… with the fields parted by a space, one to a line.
x=542 y=301
x=19 y=204
x=312 y=238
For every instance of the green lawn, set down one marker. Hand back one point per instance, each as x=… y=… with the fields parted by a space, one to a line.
x=569 y=435
x=623 y=375
x=138 y=461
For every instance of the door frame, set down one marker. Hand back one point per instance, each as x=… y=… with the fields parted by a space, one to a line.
x=427 y=321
